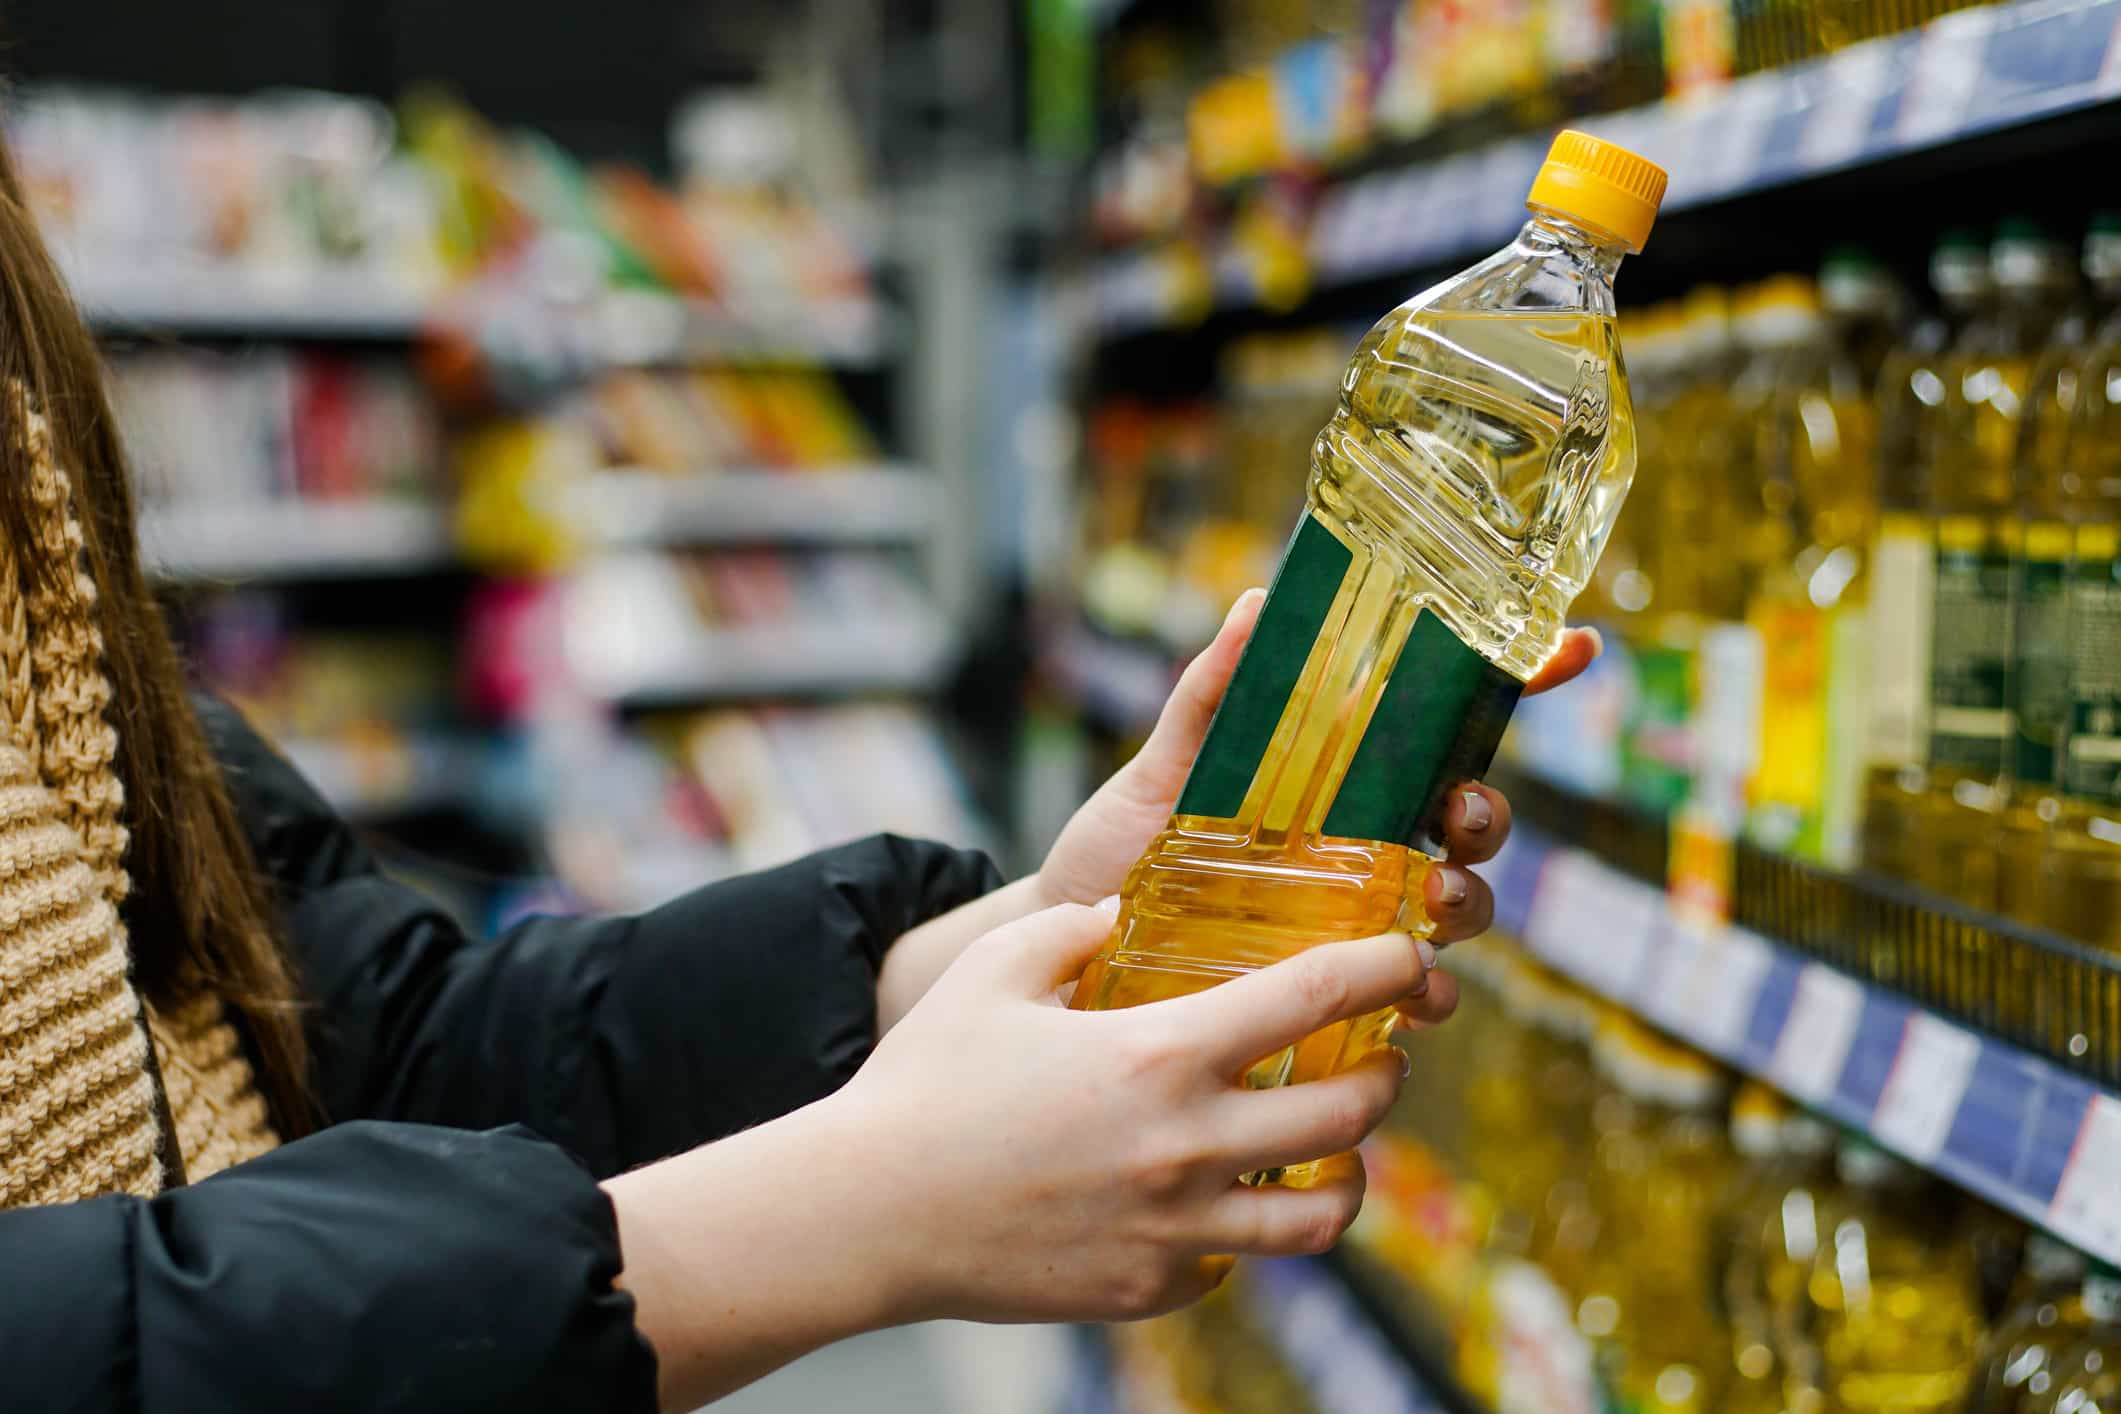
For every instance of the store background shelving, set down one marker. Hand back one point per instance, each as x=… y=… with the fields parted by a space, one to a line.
x=1973 y=73
x=1981 y=1051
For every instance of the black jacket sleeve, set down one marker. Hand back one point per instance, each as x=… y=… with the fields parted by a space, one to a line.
x=623 y=1039
x=370 y=1267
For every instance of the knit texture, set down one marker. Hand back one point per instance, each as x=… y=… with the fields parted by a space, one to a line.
x=77 y=1099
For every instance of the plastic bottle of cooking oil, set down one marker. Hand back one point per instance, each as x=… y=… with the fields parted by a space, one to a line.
x=1663 y=1178
x=2044 y=1320
x=2088 y=1376
x=1813 y=436
x=1980 y=546
x=2050 y=509
x=1903 y=558
x=2083 y=864
x=1457 y=502
x=1694 y=580
x=1771 y=1240
x=1894 y=1292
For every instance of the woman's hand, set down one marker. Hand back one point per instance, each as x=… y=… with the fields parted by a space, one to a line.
x=1000 y=1157
x=1091 y=858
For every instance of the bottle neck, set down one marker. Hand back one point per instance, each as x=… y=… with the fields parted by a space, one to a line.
x=1586 y=245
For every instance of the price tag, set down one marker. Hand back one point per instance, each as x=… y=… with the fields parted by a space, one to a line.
x=1814 y=1044
x=1922 y=1094
x=1717 y=1008
x=2087 y=1206
x=1594 y=922
x=1553 y=903
x=1947 y=71
x=2109 y=81
x=1729 y=161
x=1851 y=84
x=1627 y=926
x=1667 y=990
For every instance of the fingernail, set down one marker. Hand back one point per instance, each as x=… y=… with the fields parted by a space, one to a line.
x=1108 y=904
x=1427 y=952
x=1406 y=1066
x=1597 y=641
x=1451 y=887
x=1479 y=814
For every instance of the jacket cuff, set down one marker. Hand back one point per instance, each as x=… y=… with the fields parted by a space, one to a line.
x=750 y=998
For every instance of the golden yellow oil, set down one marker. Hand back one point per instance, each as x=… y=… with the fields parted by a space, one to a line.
x=1472 y=471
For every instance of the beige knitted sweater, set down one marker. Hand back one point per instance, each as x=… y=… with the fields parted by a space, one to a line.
x=78 y=1100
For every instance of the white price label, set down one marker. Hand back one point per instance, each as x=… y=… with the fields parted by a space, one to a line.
x=1716 y=1010
x=1549 y=924
x=1729 y=162
x=1667 y=991
x=1851 y=85
x=1947 y=70
x=2087 y=1206
x=1623 y=920
x=1594 y=922
x=1923 y=1090
x=1814 y=1044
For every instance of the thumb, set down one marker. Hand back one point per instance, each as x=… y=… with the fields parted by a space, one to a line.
x=1036 y=954
x=1183 y=723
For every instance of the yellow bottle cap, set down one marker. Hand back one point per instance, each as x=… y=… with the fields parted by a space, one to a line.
x=1601 y=185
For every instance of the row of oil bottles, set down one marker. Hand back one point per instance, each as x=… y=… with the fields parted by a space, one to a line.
x=1605 y=1221
x=1870 y=574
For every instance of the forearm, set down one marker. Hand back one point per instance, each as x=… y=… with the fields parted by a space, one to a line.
x=922 y=955
x=747 y=1253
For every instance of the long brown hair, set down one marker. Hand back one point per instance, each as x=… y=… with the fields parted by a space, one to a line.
x=199 y=915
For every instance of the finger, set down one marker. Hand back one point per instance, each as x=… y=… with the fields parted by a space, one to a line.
x=1183 y=723
x=1460 y=903
x=1475 y=823
x=1280 y=1221
x=1434 y=1006
x=1294 y=1124
x=1038 y=953
x=1261 y=1012
x=1579 y=646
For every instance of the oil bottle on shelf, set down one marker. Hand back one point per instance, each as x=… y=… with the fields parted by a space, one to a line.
x=1458 y=501
x=2083 y=873
x=1980 y=545
x=1903 y=559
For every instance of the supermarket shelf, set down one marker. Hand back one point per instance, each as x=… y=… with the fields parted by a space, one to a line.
x=623 y=329
x=2021 y=1131
x=1972 y=72
x=868 y=504
x=227 y=300
x=387 y=776
x=650 y=329
x=295 y=539
x=886 y=655
x=1328 y=1329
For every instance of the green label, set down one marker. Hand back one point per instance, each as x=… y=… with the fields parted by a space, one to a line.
x=1439 y=716
x=1438 y=722
x=1289 y=622
x=2040 y=686
x=1969 y=660
x=1657 y=751
x=2093 y=762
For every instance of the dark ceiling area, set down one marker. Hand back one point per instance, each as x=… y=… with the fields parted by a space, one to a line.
x=602 y=76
